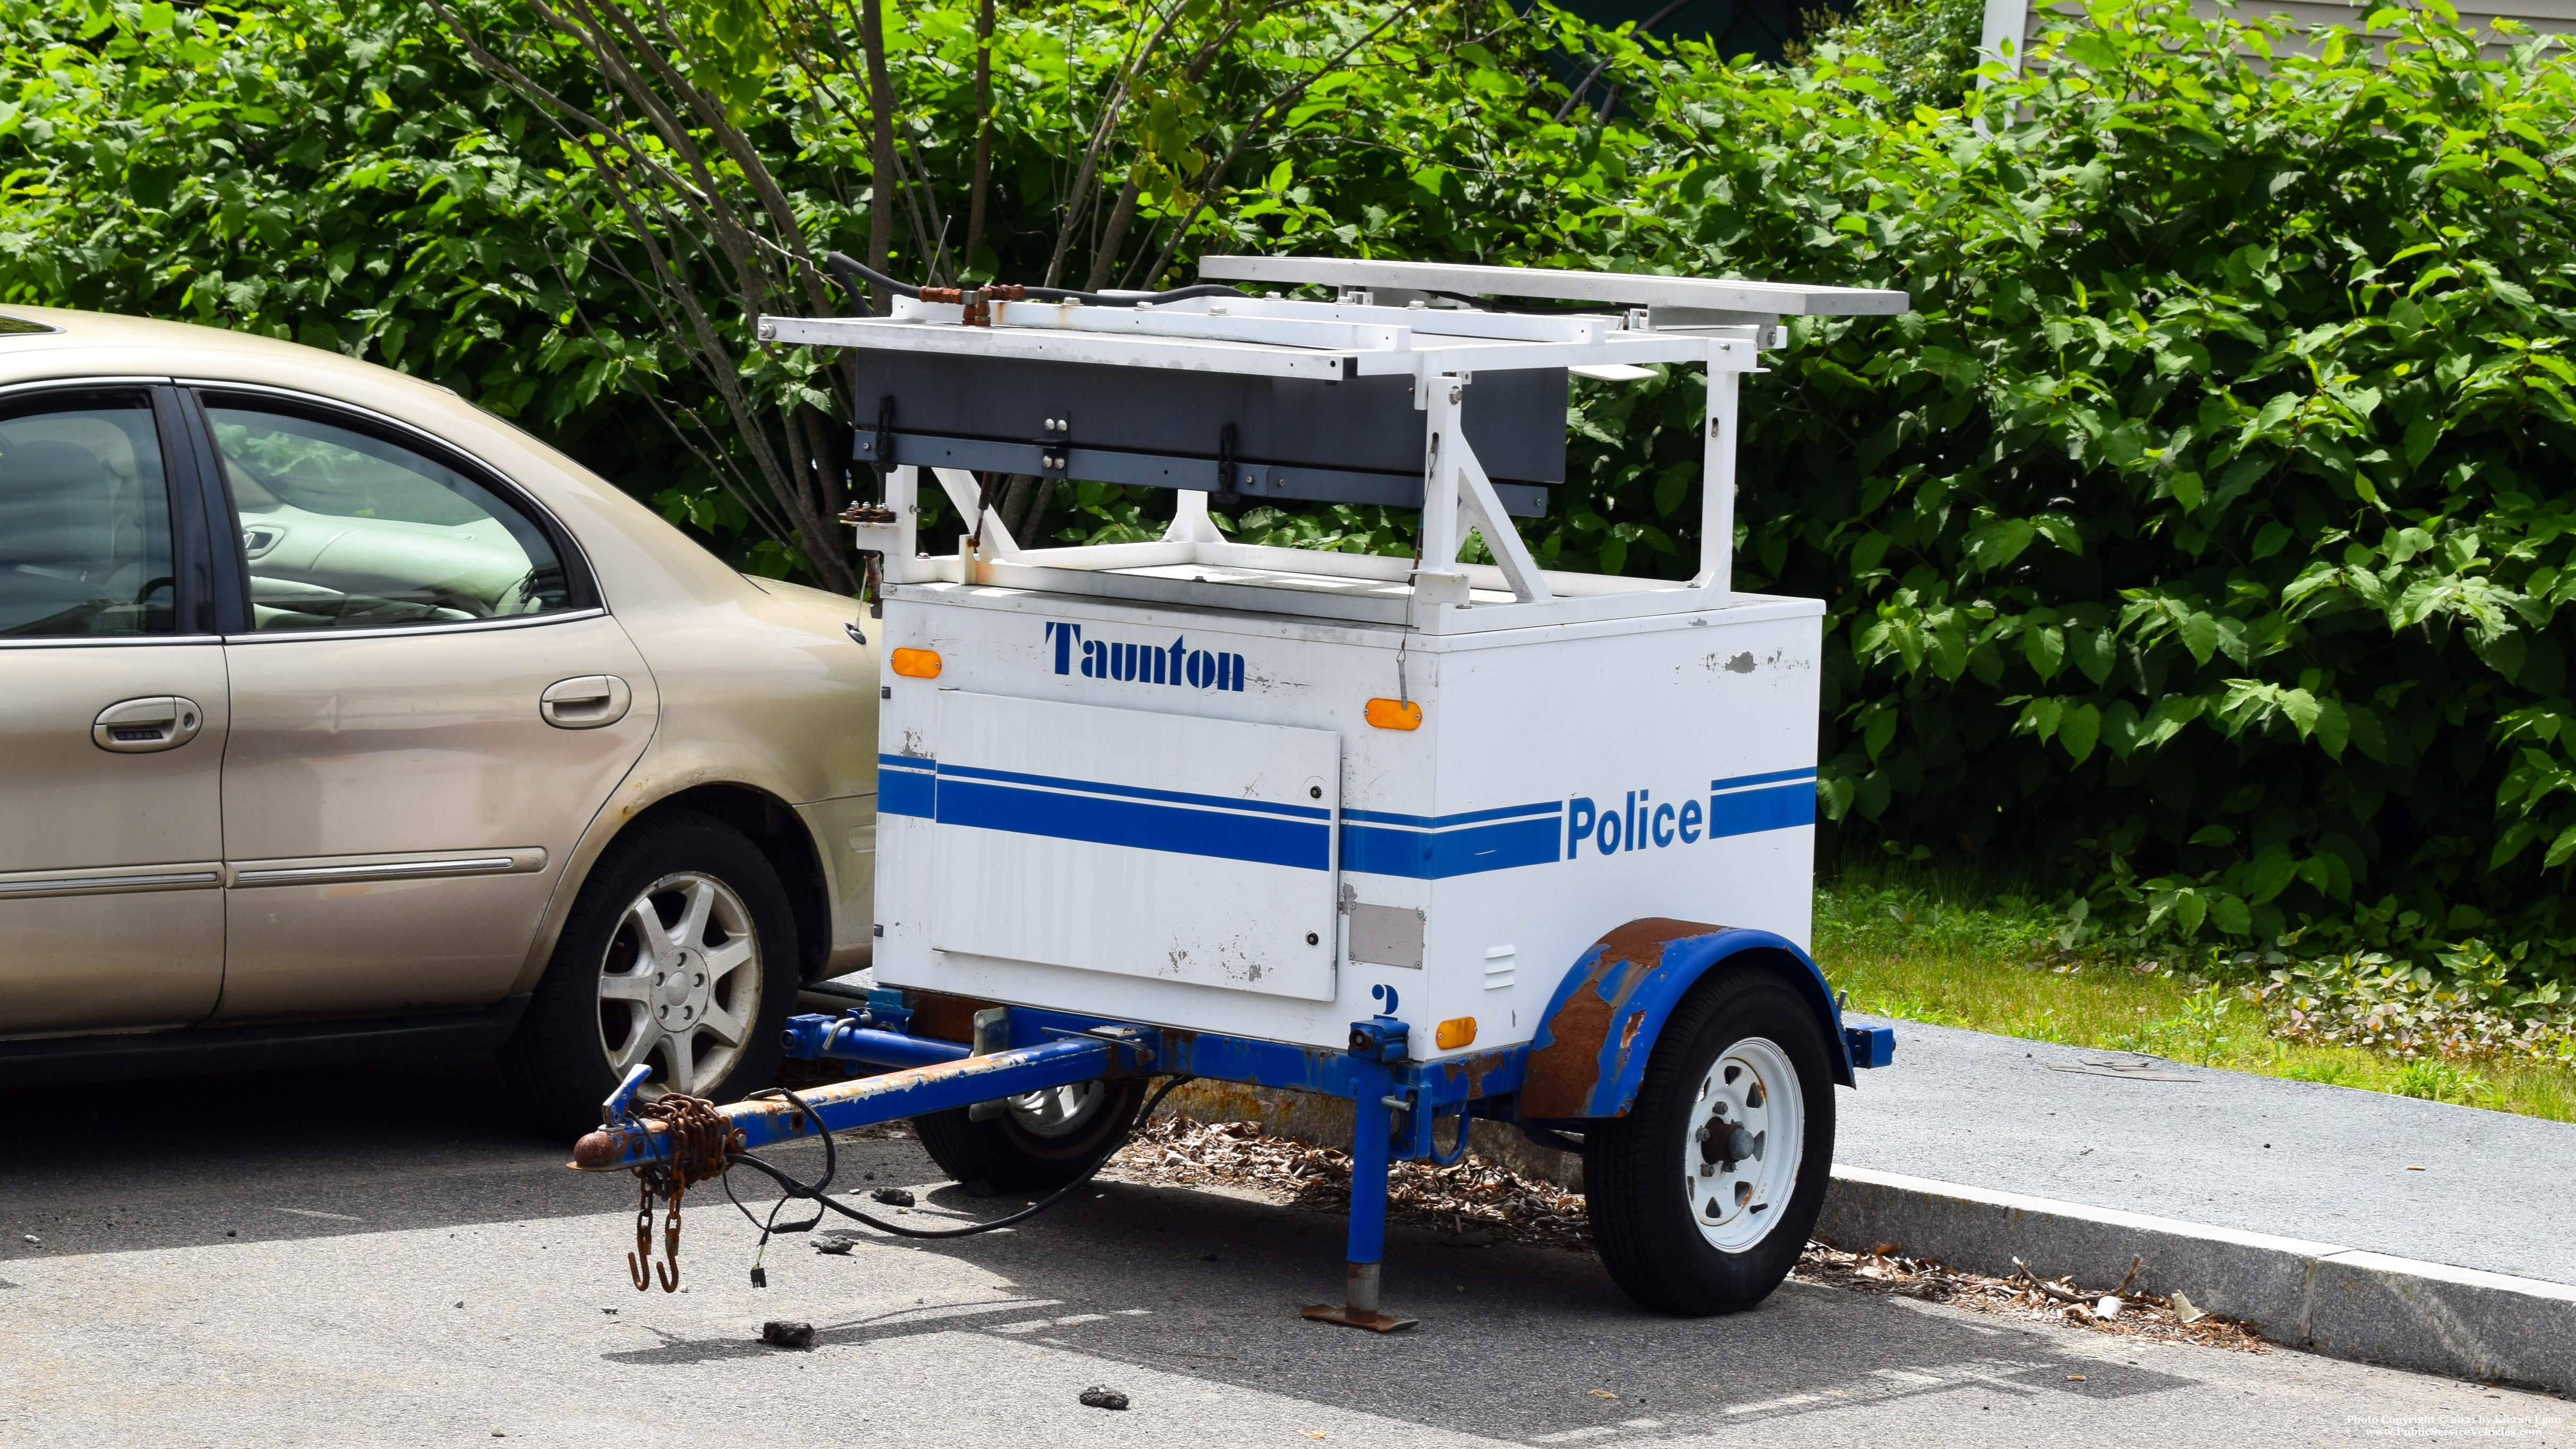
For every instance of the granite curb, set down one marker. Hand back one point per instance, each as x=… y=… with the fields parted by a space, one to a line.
x=2322 y=1297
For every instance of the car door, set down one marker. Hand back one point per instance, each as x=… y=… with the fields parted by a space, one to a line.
x=429 y=705
x=112 y=717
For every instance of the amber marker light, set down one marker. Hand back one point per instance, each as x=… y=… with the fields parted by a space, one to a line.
x=1395 y=714
x=1456 y=1032
x=916 y=663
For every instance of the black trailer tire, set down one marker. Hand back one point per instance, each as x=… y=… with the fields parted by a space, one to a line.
x=1018 y=1149
x=1683 y=1226
x=602 y=996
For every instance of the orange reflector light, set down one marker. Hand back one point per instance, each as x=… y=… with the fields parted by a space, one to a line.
x=1389 y=714
x=916 y=663
x=1456 y=1032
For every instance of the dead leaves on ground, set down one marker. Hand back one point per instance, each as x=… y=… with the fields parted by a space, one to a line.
x=1479 y=1197
x=1475 y=1196
x=2024 y=1295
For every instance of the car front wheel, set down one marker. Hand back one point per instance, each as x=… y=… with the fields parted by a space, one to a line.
x=680 y=955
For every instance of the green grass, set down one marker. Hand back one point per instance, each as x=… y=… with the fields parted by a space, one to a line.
x=1997 y=968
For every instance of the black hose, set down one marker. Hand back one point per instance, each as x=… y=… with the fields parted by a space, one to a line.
x=848 y=267
x=1128 y=299
x=1531 y=309
x=814 y=1192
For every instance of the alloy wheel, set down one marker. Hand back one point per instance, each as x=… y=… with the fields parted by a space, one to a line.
x=679 y=986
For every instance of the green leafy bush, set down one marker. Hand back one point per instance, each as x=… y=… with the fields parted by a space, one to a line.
x=2206 y=524
x=2210 y=514
x=333 y=177
x=338 y=172
x=1928 y=46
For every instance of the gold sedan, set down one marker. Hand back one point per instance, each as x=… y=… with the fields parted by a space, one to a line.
x=340 y=719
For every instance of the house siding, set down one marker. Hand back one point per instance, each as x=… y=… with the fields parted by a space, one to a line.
x=2022 y=20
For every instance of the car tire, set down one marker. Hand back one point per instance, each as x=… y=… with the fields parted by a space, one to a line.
x=703 y=999
x=1035 y=1143
x=1692 y=1210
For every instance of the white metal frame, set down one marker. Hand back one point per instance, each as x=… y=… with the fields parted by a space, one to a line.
x=1721 y=325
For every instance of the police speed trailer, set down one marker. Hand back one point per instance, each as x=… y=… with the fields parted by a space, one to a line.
x=1447 y=840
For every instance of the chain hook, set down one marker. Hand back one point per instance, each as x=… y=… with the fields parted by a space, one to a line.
x=670 y=1271
x=643 y=1254
x=698 y=1139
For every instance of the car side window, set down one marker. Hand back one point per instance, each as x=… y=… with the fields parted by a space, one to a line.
x=84 y=521
x=344 y=529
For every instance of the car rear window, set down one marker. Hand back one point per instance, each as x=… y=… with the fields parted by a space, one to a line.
x=342 y=528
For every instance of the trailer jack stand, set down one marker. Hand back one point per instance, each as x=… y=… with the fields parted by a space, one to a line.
x=1358 y=1308
x=1371 y=1126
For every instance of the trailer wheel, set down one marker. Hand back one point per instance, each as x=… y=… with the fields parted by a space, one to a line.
x=1036 y=1142
x=680 y=953
x=1703 y=1195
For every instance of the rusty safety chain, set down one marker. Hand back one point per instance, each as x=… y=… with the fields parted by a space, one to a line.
x=699 y=1140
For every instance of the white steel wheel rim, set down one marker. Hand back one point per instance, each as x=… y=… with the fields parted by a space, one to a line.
x=1747 y=1128
x=679 y=986
x=1056 y=1111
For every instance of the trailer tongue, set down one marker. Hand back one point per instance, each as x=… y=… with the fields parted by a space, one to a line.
x=1445 y=840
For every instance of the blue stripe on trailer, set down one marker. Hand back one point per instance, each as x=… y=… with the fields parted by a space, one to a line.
x=1749 y=812
x=906 y=785
x=1434 y=847
x=1445 y=822
x=1439 y=854
x=1374 y=842
x=1098 y=820
x=1136 y=792
x=1738 y=782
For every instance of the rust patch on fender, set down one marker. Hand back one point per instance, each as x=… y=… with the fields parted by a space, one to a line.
x=1563 y=1075
x=1642 y=943
x=1475 y=1070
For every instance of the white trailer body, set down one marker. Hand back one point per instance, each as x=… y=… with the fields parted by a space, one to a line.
x=1145 y=811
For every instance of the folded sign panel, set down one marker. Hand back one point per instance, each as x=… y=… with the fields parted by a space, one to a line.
x=1138 y=843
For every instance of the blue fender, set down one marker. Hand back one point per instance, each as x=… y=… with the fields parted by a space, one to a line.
x=1590 y=1052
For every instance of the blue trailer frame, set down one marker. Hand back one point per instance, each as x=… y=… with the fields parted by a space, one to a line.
x=1584 y=1065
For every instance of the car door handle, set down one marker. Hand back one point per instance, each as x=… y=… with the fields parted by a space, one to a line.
x=140 y=726
x=585 y=703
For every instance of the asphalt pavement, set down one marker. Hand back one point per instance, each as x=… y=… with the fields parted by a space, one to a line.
x=2427 y=1180
x=327 y=1259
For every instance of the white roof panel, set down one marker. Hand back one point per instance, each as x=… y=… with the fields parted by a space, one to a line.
x=1624 y=289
